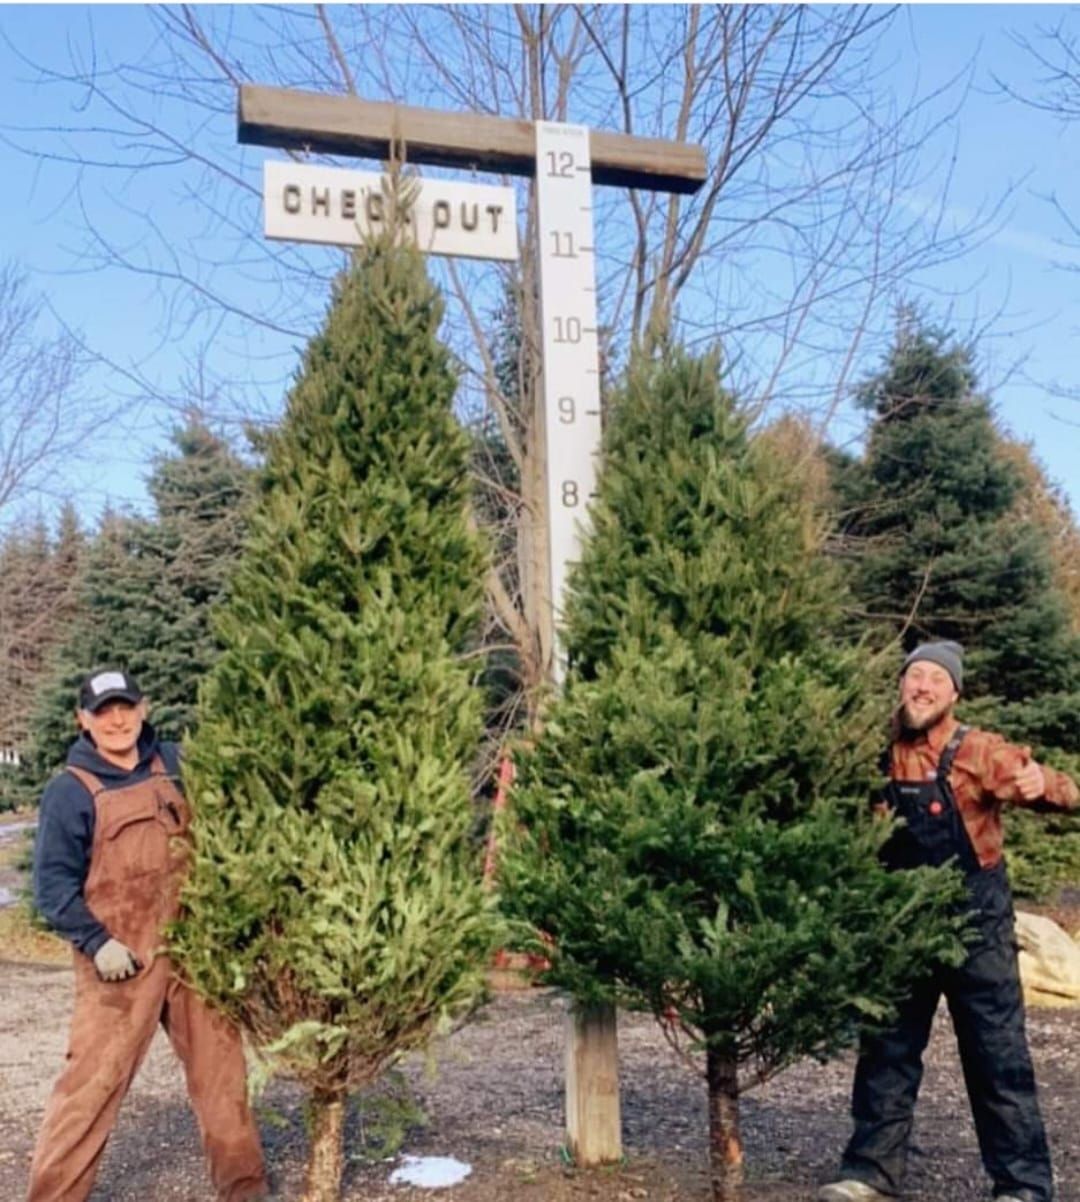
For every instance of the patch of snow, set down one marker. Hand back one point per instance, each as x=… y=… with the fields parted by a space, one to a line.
x=430 y=1172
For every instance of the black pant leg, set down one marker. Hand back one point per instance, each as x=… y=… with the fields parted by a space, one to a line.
x=987 y=1007
x=887 y=1080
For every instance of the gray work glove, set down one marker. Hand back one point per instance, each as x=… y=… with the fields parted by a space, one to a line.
x=115 y=962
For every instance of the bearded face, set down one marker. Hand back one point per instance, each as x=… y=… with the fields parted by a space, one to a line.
x=927 y=696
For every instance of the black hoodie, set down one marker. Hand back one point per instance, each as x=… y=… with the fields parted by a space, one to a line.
x=65 y=834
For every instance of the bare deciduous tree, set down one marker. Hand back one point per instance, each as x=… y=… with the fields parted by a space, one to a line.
x=44 y=417
x=812 y=216
x=1055 y=54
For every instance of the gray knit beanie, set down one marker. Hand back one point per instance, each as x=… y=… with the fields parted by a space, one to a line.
x=945 y=654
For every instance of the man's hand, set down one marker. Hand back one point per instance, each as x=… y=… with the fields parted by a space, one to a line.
x=115 y=962
x=1030 y=781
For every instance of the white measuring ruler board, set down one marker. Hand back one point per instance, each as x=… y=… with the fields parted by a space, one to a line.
x=571 y=349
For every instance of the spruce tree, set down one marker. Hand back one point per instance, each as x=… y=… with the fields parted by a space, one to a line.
x=691 y=829
x=200 y=492
x=945 y=548
x=334 y=908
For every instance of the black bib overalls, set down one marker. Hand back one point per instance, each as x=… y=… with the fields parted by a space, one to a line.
x=986 y=1004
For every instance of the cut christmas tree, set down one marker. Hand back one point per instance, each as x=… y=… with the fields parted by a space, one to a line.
x=334 y=907
x=692 y=828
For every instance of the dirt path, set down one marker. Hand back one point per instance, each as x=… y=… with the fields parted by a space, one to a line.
x=493 y=1098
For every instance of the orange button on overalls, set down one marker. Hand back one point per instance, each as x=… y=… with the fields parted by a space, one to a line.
x=137 y=864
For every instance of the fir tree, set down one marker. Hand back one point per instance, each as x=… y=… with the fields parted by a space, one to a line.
x=691 y=828
x=334 y=907
x=946 y=549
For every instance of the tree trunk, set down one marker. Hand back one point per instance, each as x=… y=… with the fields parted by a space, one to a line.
x=725 y=1142
x=326 y=1158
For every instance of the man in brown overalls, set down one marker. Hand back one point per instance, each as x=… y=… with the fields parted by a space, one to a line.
x=109 y=858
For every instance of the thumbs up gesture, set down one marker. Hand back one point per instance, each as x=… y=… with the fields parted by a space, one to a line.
x=1029 y=779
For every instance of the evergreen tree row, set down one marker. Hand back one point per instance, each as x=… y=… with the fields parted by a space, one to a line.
x=39 y=583
x=138 y=593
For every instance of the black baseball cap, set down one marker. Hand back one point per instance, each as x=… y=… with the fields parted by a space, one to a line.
x=108 y=684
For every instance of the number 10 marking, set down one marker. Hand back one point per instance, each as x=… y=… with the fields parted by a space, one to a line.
x=567 y=329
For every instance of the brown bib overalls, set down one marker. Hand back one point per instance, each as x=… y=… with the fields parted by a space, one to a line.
x=137 y=863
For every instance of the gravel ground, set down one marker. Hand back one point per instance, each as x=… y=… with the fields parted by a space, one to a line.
x=492 y=1096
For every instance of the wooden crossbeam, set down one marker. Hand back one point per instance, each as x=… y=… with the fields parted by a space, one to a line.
x=329 y=124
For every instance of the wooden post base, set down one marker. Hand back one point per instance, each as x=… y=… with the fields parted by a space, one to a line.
x=593 y=1124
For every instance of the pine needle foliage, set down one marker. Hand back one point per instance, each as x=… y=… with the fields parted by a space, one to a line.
x=334 y=907
x=691 y=828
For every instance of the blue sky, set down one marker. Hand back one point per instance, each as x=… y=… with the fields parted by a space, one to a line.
x=1015 y=278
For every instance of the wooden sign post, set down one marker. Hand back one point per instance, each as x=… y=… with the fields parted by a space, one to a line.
x=566 y=161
